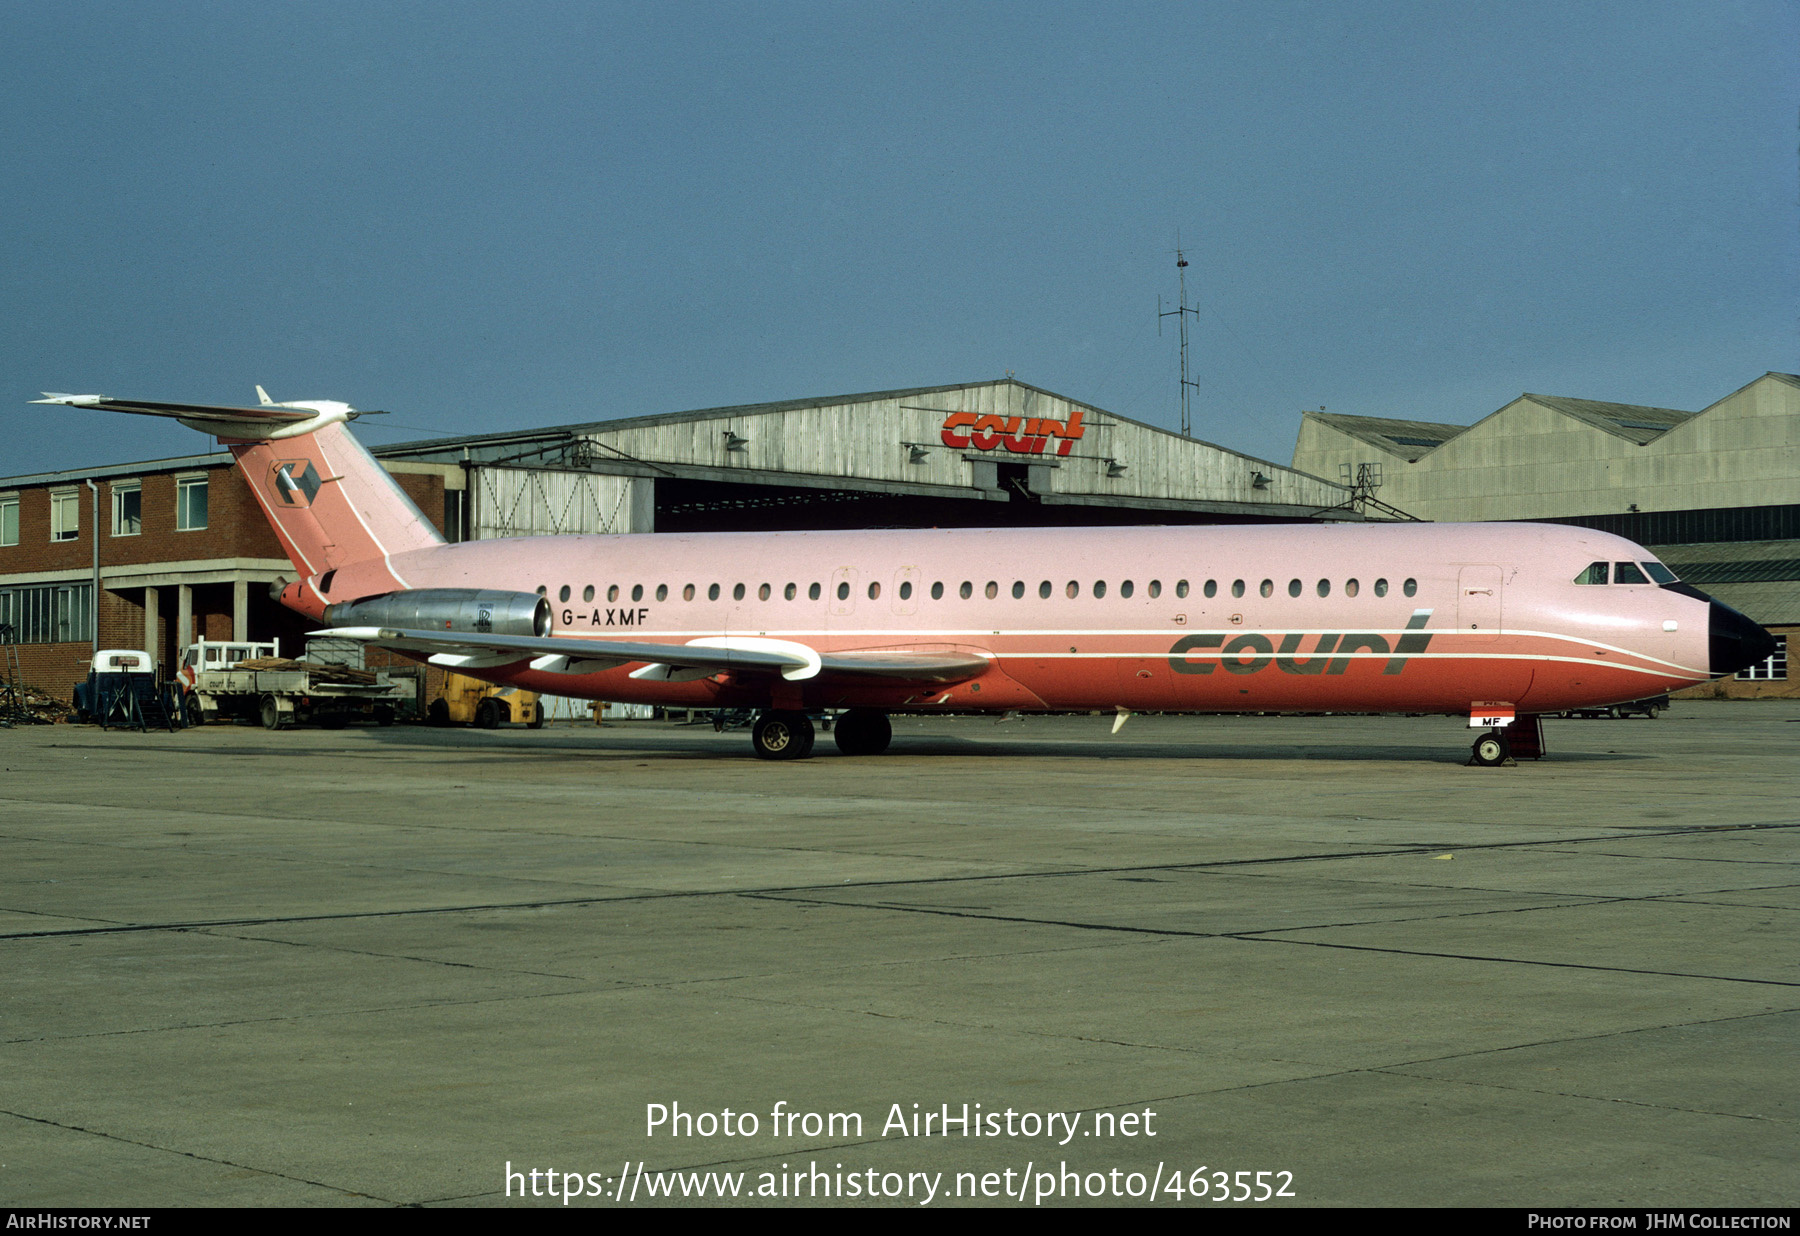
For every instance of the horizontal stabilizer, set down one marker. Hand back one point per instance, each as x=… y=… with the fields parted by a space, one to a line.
x=273 y=415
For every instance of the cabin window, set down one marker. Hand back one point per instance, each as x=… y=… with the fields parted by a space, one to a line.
x=1410 y=587
x=563 y=595
x=1044 y=590
x=662 y=592
x=1018 y=589
x=791 y=591
x=587 y=593
x=1181 y=589
x=762 y=592
x=813 y=592
x=737 y=592
x=1099 y=588
x=1351 y=587
x=906 y=590
x=1381 y=587
x=967 y=590
x=1237 y=587
x=687 y=592
x=874 y=591
x=937 y=590
x=1126 y=588
x=1155 y=588
x=1073 y=590
x=843 y=591
x=1324 y=588
x=992 y=590
x=1628 y=573
x=612 y=592
x=1293 y=588
x=637 y=592
x=1268 y=588
x=712 y=592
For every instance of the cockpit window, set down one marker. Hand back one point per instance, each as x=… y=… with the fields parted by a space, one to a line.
x=1658 y=572
x=1628 y=573
x=1595 y=574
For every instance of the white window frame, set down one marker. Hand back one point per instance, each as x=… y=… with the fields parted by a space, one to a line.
x=9 y=503
x=58 y=532
x=119 y=490
x=1772 y=668
x=183 y=486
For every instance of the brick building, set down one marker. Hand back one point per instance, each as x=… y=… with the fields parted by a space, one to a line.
x=184 y=553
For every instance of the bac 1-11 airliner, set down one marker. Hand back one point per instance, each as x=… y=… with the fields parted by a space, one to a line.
x=1499 y=623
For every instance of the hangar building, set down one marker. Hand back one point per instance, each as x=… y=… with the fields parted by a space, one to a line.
x=1715 y=493
x=183 y=552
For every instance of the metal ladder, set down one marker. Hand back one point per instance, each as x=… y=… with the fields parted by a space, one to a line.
x=12 y=691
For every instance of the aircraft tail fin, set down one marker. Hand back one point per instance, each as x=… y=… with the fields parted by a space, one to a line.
x=329 y=501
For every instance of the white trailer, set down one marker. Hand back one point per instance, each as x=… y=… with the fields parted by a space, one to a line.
x=221 y=686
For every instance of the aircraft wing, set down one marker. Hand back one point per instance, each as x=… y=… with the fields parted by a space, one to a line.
x=567 y=654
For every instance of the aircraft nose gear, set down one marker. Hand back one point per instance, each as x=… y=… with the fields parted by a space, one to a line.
x=1491 y=750
x=782 y=736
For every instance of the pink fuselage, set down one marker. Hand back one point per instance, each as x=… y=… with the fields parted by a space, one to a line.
x=1494 y=615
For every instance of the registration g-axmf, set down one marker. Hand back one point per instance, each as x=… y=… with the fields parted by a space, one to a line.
x=1498 y=623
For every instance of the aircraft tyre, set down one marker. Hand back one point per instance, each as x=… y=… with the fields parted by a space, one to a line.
x=1491 y=750
x=782 y=736
x=863 y=731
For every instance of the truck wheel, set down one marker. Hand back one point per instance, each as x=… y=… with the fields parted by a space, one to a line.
x=271 y=713
x=383 y=715
x=487 y=714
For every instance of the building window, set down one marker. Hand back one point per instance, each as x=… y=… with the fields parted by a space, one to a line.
x=65 y=516
x=128 y=507
x=1772 y=668
x=9 y=520
x=190 y=503
x=48 y=613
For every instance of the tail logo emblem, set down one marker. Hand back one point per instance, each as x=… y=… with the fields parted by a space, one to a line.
x=295 y=481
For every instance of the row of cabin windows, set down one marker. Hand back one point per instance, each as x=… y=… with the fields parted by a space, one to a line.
x=1045 y=590
x=1626 y=573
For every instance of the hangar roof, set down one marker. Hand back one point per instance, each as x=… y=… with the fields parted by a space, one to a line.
x=1633 y=422
x=1407 y=439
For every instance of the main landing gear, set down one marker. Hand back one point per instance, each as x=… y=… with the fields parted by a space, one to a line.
x=782 y=734
x=863 y=731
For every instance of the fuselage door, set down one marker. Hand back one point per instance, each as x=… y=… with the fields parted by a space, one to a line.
x=1478 y=602
x=843 y=591
x=906 y=590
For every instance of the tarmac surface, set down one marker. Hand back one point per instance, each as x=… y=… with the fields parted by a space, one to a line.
x=377 y=967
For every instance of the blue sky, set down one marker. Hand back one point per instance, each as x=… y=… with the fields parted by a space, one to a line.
x=486 y=217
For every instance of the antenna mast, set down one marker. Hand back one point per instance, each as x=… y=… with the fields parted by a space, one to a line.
x=1181 y=316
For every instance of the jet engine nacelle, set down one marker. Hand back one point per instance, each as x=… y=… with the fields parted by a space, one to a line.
x=447 y=609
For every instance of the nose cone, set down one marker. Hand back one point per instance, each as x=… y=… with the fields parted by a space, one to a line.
x=1735 y=642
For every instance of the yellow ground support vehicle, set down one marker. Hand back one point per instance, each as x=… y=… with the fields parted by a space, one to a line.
x=469 y=701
